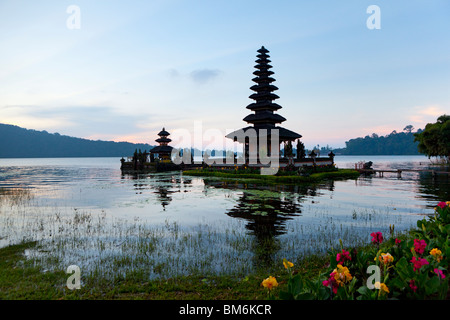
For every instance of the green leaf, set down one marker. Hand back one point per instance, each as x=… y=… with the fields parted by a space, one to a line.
x=284 y=295
x=364 y=291
x=447 y=227
x=304 y=296
x=432 y=285
x=352 y=284
x=404 y=269
x=295 y=285
x=324 y=293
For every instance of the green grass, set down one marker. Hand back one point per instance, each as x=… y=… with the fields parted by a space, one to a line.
x=22 y=278
x=254 y=177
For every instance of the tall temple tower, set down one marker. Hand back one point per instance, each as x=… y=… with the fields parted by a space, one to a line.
x=163 y=151
x=264 y=108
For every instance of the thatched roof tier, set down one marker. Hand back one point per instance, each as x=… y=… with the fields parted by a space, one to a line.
x=161 y=149
x=265 y=131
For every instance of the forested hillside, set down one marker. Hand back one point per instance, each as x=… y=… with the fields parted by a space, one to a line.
x=395 y=143
x=16 y=142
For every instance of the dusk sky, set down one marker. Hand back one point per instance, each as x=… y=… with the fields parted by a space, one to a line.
x=122 y=70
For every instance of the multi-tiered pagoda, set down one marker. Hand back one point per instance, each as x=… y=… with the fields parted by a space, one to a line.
x=264 y=108
x=163 y=151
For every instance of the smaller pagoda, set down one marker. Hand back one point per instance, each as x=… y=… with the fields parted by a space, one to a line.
x=163 y=151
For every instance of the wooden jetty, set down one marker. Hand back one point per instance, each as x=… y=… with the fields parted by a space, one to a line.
x=398 y=171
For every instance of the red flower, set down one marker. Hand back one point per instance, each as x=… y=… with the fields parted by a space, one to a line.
x=342 y=257
x=439 y=273
x=418 y=263
x=412 y=285
x=442 y=204
x=331 y=282
x=397 y=241
x=419 y=246
x=377 y=237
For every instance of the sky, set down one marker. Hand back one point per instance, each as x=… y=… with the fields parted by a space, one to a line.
x=123 y=70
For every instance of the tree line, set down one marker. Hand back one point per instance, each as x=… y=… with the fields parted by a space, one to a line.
x=433 y=141
x=17 y=142
x=395 y=143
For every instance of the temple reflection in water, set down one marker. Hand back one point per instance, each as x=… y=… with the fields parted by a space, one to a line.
x=265 y=211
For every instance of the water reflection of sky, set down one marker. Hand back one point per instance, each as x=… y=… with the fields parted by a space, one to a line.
x=99 y=183
x=292 y=214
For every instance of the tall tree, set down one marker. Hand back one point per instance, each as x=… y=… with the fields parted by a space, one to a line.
x=301 y=152
x=434 y=140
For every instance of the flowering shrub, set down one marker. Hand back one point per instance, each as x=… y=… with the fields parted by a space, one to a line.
x=377 y=237
x=342 y=257
x=418 y=263
x=413 y=267
x=419 y=246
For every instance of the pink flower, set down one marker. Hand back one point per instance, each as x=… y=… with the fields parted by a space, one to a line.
x=377 y=237
x=397 y=241
x=331 y=282
x=442 y=204
x=439 y=273
x=412 y=285
x=418 y=263
x=342 y=257
x=419 y=246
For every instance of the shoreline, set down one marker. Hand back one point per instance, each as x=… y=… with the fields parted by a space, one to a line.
x=288 y=179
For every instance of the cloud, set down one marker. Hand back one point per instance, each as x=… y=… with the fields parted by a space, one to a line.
x=426 y=114
x=173 y=73
x=100 y=122
x=204 y=75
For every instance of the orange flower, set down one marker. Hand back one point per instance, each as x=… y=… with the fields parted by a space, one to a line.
x=342 y=275
x=287 y=264
x=270 y=283
x=381 y=286
x=386 y=258
x=436 y=253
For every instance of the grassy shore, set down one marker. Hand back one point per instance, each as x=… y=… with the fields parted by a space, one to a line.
x=21 y=278
x=284 y=179
x=24 y=278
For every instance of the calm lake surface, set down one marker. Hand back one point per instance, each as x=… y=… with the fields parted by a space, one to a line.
x=84 y=211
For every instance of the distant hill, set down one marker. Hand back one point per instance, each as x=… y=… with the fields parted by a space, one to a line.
x=17 y=142
x=395 y=143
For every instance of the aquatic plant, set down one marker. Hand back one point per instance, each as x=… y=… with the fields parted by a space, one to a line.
x=415 y=275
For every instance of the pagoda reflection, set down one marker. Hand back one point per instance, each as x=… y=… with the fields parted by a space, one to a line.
x=163 y=185
x=265 y=211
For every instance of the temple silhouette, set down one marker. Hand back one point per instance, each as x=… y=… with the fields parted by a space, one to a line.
x=261 y=140
x=264 y=122
x=264 y=119
x=163 y=151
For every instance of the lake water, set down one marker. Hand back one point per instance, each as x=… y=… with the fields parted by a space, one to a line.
x=84 y=211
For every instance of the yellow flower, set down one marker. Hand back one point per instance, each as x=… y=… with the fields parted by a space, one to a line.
x=382 y=287
x=342 y=275
x=270 y=283
x=436 y=253
x=287 y=264
x=386 y=258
